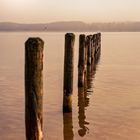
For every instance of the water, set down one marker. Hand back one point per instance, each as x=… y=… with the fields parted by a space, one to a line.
x=110 y=110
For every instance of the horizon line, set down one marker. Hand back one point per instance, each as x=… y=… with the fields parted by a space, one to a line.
x=69 y=21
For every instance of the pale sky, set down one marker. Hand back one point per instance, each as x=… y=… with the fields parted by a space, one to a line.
x=42 y=11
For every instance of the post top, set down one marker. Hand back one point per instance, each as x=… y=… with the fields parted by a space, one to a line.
x=82 y=35
x=34 y=41
x=70 y=34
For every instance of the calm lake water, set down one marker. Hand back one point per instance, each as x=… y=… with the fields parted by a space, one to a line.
x=110 y=109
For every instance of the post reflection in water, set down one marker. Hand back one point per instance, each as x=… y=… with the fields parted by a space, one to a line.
x=84 y=100
x=68 y=126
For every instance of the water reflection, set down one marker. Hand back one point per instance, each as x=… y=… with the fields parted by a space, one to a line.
x=83 y=98
x=68 y=126
x=83 y=101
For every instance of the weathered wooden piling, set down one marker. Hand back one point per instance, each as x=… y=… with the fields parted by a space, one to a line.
x=88 y=43
x=98 y=46
x=100 y=40
x=68 y=72
x=92 y=49
x=81 y=62
x=34 y=88
x=86 y=50
x=92 y=52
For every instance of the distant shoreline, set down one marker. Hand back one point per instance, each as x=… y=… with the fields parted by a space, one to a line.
x=73 y=26
x=14 y=31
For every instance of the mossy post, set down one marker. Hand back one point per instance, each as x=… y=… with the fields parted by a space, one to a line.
x=81 y=62
x=34 y=88
x=68 y=72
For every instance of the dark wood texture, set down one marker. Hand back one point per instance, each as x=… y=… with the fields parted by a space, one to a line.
x=33 y=88
x=81 y=62
x=68 y=72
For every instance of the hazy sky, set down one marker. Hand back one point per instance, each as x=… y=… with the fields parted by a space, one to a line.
x=41 y=11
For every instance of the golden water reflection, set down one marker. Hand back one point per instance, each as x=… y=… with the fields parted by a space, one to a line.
x=84 y=99
x=68 y=126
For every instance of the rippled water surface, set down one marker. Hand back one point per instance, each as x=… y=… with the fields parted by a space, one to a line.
x=109 y=110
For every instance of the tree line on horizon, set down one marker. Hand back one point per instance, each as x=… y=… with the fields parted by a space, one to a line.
x=71 y=26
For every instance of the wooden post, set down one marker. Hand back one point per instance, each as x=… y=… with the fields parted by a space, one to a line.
x=93 y=53
x=85 y=78
x=88 y=50
x=81 y=63
x=92 y=49
x=68 y=72
x=98 y=47
x=100 y=40
x=34 y=88
x=86 y=44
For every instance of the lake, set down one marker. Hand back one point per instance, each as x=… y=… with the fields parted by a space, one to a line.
x=110 y=109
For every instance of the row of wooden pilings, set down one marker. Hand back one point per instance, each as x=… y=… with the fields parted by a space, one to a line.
x=89 y=51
